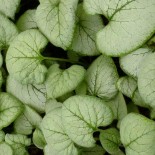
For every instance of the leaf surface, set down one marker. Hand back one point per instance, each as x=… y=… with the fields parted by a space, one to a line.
x=82 y=115
x=138 y=134
x=56 y=19
x=55 y=135
x=10 y=109
x=24 y=58
x=59 y=82
x=101 y=78
x=131 y=24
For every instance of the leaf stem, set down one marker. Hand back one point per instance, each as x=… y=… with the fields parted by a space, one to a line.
x=61 y=59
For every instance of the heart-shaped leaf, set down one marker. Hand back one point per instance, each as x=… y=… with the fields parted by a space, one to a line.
x=82 y=115
x=23 y=57
x=55 y=136
x=10 y=109
x=59 y=82
x=8 y=32
x=138 y=135
x=131 y=24
x=56 y=19
x=101 y=78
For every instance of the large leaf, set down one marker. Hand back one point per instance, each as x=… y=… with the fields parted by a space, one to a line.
x=8 y=32
x=55 y=135
x=23 y=57
x=130 y=63
x=131 y=24
x=56 y=19
x=85 y=33
x=138 y=135
x=101 y=78
x=9 y=7
x=146 y=77
x=10 y=109
x=59 y=82
x=32 y=95
x=82 y=115
x=27 y=121
x=27 y=20
x=127 y=85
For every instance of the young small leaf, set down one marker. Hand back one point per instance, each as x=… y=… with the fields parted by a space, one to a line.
x=27 y=121
x=60 y=82
x=110 y=140
x=27 y=20
x=10 y=109
x=82 y=115
x=101 y=78
x=127 y=85
x=38 y=139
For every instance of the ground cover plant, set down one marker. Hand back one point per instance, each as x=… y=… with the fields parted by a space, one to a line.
x=77 y=77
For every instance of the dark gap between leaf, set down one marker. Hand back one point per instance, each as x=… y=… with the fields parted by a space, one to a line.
x=144 y=111
x=105 y=20
x=33 y=150
x=26 y=5
x=9 y=129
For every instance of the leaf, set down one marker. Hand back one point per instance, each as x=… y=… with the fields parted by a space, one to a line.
x=132 y=108
x=5 y=149
x=56 y=19
x=131 y=24
x=130 y=62
x=10 y=109
x=8 y=32
x=97 y=150
x=127 y=85
x=82 y=115
x=118 y=107
x=27 y=20
x=18 y=143
x=81 y=89
x=2 y=136
x=55 y=135
x=84 y=40
x=138 y=135
x=110 y=140
x=32 y=95
x=51 y=105
x=38 y=139
x=60 y=82
x=12 y=139
x=137 y=99
x=146 y=78
x=23 y=57
x=9 y=7
x=1 y=78
x=101 y=78
x=27 y=121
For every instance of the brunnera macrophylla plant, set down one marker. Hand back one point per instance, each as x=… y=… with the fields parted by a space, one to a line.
x=77 y=77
